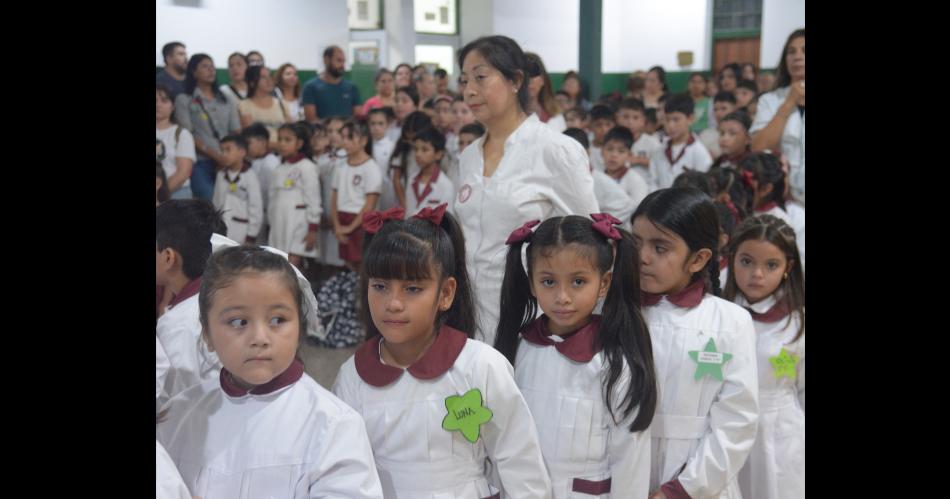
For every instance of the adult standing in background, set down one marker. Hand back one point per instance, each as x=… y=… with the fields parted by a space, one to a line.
x=573 y=87
x=288 y=90
x=329 y=94
x=385 y=92
x=518 y=171
x=425 y=84
x=541 y=98
x=654 y=87
x=255 y=58
x=209 y=115
x=261 y=106
x=172 y=76
x=780 y=117
x=403 y=75
x=237 y=66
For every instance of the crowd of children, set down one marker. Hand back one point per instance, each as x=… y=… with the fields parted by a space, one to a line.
x=653 y=350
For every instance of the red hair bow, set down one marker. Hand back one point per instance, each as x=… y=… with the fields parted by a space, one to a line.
x=433 y=215
x=373 y=221
x=522 y=233
x=604 y=223
x=748 y=178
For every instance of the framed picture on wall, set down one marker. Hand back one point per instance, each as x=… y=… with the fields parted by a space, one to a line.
x=364 y=52
x=436 y=16
x=365 y=14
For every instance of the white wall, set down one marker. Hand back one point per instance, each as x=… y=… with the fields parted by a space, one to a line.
x=549 y=28
x=779 y=19
x=475 y=20
x=637 y=35
x=295 y=31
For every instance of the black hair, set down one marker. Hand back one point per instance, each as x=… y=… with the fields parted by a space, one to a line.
x=161 y=88
x=632 y=103
x=620 y=133
x=661 y=75
x=576 y=111
x=169 y=48
x=255 y=130
x=238 y=140
x=415 y=121
x=386 y=111
x=186 y=225
x=749 y=85
x=251 y=76
x=505 y=55
x=380 y=73
x=328 y=52
x=695 y=179
x=724 y=96
x=163 y=193
x=679 y=103
x=740 y=117
x=601 y=112
x=475 y=129
x=690 y=214
x=767 y=169
x=736 y=72
x=302 y=132
x=191 y=83
x=441 y=73
x=623 y=334
x=411 y=92
x=727 y=220
x=650 y=115
x=229 y=263
x=765 y=227
x=412 y=249
x=578 y=135
x=432 y=137
x=782 y=77
x=729 y=181
x=429 y=104
x=701 y=75
x=359 y=127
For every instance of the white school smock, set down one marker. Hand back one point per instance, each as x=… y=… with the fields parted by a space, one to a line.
x=295 y=203
x=242 y=204
x=264 y=169
x=297 y=441
x=354 y=183
x=793 y=138
x=662 y=173
x=612 y=198
x=190 y=361
x=635 y=185
x=776 y=465
x=382 y=151
x=161 y=369
x=586 y=451
x=440 y=190
x=168 y=482
x=796 y=213
x=328 y=164
x=646 y=146
x=597 y=158
x=710 y=138
x=774 y=210
x=404 y=410
x=542 y=174
x=703 y=427
x=557 y=123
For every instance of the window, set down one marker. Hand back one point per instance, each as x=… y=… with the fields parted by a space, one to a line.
x=365 y=14
x=736 y=15
x=432 y=55
x=436 y=16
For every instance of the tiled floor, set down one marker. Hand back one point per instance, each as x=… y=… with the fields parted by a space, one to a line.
x=322 y=364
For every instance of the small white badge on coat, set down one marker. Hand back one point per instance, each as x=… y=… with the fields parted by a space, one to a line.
x=464 y=193
x=357 y=179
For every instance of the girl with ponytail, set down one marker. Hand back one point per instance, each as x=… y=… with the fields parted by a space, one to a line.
x=593 y=394
x=442 y=410
x=703 y=347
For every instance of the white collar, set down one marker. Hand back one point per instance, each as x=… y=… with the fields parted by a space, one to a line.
x=761 y=307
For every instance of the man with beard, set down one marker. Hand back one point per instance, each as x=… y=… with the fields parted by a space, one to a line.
x=329 y=94
x=173 y=75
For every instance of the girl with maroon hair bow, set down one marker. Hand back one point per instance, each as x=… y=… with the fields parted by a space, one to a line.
x=588 y=379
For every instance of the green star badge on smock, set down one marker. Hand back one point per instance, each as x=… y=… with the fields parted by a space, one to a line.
x=466 y=414
x=709 y=361
x=783 y=364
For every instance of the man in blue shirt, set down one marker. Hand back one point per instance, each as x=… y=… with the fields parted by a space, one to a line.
x=329 y=94
x=173 y=75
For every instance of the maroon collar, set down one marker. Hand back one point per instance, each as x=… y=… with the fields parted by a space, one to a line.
x=190 y=289
x=766 y=207
x=778 y=312
x=688 y=297
x=295 y=158
x=669 y=149
x=617 y=178
x=723 y=262
x=434 y=363
x=432 y=179
x=579 y=346
x=286 y=378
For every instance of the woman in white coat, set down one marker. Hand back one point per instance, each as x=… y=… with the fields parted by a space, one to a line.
x=521 y=169
x=780 y=117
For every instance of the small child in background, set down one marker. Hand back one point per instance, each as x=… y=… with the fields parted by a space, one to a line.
x=430 y=187
x=355 y=193
x=616 y=151
x=263 y=164
x=330 y=168
x=467 y=134
x=402 y=163
x=382 y=150
x=161 y=184
x=697 y=180
x=237 y=192
x=564 y=100
x=601 y=121
x=723 y=104
x=295 y=205
x=661 y=133
x=444 y=117
x=462 y=113
x=652 y=125
x=577 y=118
x=745 y=92
x=632 y=115
x=727 y=224
x=682 y=152
x=732 y=189
x=428 y=107
x=610 y=195
x=768 y=184
x=734 y=139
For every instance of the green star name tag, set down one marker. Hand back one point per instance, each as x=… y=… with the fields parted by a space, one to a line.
x=709 y=361
x=783 y=364
x=466 y=414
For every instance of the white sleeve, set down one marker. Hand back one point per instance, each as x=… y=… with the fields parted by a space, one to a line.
x=374 y=179
x=343 y=385
x=161 y=371
x=345 y=468
x=185 y=148
x=701 y=158
x=168 y=481
x=272 y=188
x=310 y=186
x=571 y=181
x=733 y=420
x=653 y=181
x=639 y=188
x=510 y=436
x=764 y=111
x=220 y=191
x=612 y=198
x=255 y=205
x=628 y=452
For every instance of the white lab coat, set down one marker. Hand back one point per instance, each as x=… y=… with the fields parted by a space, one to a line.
x=295 y=202
x=776 y=465
x=161 y=370
x=662 y=173
x=612 y=198
x=189 y=360
x=418 y=459
x=635 y=185
x=796 y=213
x=542 y=174
x=243 y=208
x=579 y=438
x=705 y=427
x=776 y=212
x=792 y=141
x=168 y=482
x=557 y=123
x=299 y=441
